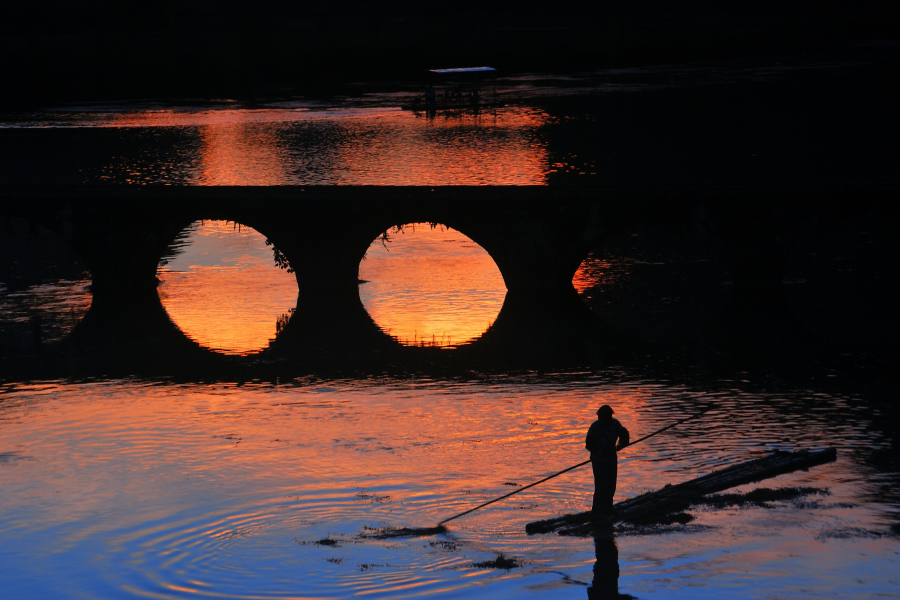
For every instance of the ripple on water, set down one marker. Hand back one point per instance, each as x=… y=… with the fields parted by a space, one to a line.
x=171 y=491
x=272 y=550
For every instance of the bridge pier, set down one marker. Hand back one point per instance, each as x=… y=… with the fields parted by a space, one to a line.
x=542 y=314
x=126 y=318
x=329 y=319
x=536 y=251
x=537 y=237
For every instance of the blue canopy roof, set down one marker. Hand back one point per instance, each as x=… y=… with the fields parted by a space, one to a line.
x=464 y=70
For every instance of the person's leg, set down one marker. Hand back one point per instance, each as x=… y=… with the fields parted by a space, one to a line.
x=604 y=486
x=610 y=484
x=597 y=504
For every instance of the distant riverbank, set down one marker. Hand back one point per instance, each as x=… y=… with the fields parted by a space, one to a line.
x=60 y=52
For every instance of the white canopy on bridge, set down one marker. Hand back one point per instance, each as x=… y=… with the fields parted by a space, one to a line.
x=464 y=70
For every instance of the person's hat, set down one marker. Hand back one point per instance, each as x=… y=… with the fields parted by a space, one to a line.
x=605 y=410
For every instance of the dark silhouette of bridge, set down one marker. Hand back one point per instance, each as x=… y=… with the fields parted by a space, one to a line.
x=538 y=237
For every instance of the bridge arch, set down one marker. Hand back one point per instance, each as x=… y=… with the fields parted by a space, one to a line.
x=223 y=288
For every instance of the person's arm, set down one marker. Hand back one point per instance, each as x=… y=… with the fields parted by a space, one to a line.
x=589 y=440
x=623 y=438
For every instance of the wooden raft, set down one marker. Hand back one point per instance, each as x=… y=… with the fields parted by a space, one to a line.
x=677 y=496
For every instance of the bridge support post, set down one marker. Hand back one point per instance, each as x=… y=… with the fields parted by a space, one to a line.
x=329 y=321
x=126 y=321
x=542 y=315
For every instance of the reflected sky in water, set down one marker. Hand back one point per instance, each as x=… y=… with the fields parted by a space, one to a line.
x=697 y=124
x=182 y=491
x=49 y=311
x=430 y=286
x=44 y=289
x=132 y=489
x=423 y=286
x=223 y=289
x=298 y=146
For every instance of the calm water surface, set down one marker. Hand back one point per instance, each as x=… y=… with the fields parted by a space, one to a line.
x=293 y=145
x=422 y=285
x=129 y=488
x=159 y=490
x=705 y=123
x=222 y=288
x=430 y=286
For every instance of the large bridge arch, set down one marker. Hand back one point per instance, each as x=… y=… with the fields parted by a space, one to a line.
x=536 y=236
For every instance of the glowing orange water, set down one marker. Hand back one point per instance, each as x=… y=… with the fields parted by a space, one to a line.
x=240 y=154
x=294 y=146
x=498 y=148
x=430 y=286
x=224 y=291
x=144 y=489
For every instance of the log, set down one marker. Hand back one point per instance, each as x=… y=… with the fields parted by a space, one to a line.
x=675 y=496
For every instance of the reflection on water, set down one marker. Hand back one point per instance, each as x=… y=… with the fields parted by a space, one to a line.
x=430 y=286
x=48 y=312
x=597 y=273
x=655 y=285
x=239 y=154
x=297 y=146
x=650 y=125
x=222 y=289
x=175 y=491
x=44 y=288
x=605 y=584
x=497 y=147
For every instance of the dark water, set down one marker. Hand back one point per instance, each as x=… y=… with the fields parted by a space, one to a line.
x=137 y=489
x=785 y=120
x=158 y=488
x=154 y=488
x=44 y=288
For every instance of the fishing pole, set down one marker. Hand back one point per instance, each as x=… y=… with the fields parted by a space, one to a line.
x=581 y=464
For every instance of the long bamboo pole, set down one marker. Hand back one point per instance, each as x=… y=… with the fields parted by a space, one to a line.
x=581 y=464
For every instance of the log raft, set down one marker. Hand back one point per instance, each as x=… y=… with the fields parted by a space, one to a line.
x=676 y=497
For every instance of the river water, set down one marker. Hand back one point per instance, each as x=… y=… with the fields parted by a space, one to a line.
x=133 y=488
x=722 y=123
x=233 y=489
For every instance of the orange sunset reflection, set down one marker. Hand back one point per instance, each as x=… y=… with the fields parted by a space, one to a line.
x=224 y=483
x=240 y=154
x=430 y=286
x=496 y=148
x=223 y=290
x=597 y=275
x=348 y=146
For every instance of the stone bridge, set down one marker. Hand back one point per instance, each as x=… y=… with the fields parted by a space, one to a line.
x=538 y=237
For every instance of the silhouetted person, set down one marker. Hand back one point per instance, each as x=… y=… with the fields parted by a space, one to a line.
x=606 y=569
x=601 y=441
x=430 y=98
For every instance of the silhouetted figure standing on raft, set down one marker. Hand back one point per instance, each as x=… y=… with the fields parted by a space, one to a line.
x=430 y=98
x=601 y=441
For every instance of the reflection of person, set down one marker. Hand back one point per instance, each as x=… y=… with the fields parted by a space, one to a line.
x=601 y=441
x=606 y=569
